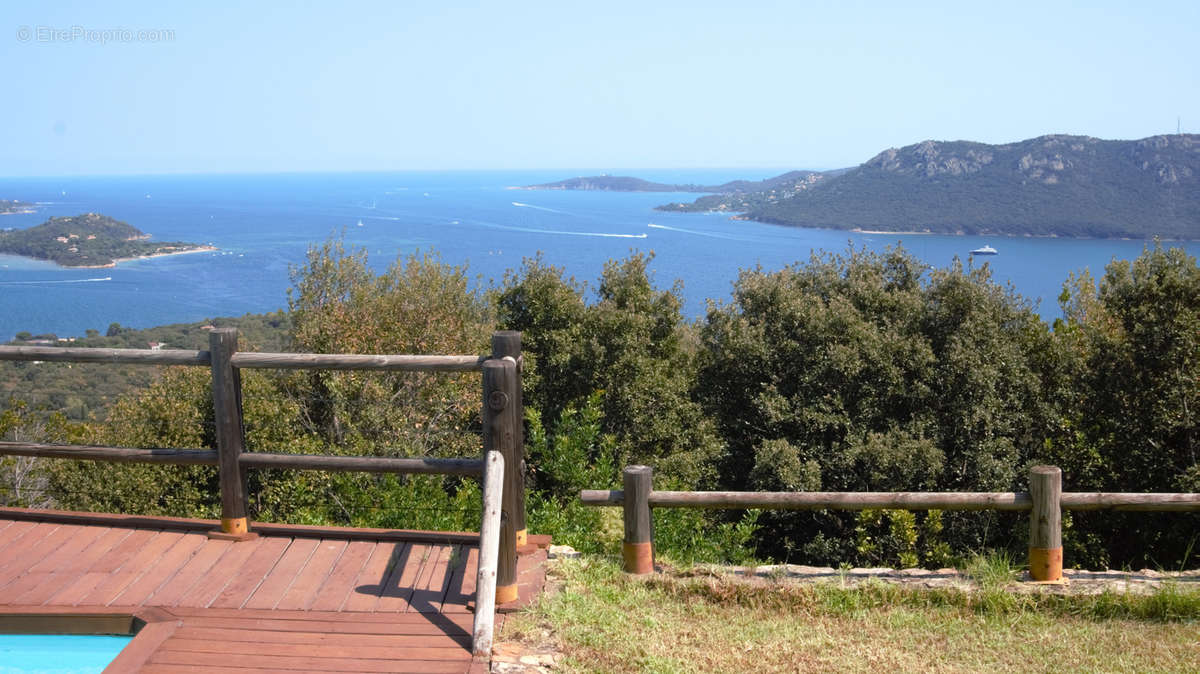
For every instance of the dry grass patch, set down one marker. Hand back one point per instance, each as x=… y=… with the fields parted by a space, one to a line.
x=606 y=621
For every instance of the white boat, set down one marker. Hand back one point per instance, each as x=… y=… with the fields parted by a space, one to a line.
x=986 y=250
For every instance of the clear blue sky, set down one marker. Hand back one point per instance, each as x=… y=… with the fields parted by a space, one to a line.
x=262 y=86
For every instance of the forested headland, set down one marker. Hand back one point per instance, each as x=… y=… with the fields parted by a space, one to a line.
x=848 y=371
x=87 y=240
x=1055 y=185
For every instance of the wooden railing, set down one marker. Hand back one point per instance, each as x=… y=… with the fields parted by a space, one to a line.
x=500 y=467
x=1045 y=501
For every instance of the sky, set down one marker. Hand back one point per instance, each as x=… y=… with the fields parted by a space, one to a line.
x=203 y=87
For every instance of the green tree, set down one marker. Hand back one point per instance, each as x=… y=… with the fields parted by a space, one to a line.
x=1134 y=344
x=632 y=344
x=862 y=372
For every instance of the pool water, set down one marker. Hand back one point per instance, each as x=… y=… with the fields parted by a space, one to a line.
x=58 y=653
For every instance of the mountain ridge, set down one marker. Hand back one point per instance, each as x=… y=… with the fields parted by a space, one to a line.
x=1051 y=185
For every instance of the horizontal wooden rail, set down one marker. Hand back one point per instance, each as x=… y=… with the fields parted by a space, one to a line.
x=246 y=359
x=819 y=500
x=1079 y=500
x=337 y=361
x=896 y=500
x=119 y=356
x=208 y=457
x=365 y=464
x=186 y=457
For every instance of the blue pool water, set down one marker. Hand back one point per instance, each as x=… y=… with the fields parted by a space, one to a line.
x=58 y=653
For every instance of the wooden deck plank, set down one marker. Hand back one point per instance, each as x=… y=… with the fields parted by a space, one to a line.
x=73 y=547
x=398 y=587
x=317 y=664
x=329 y=648
x=161 y=571
x=32 y=547
x=100 y=569
x=335 y=616
x=13 y=533
x=370 y=582
x=430 y=589
x=271 y=604
x=336 y=626
x=310 y=579
x=162 y=668
x=70 y=571
x=251 y=574
x=461 y=589
x=338 y=585
x=34 y=577
x=227 y=568
x=283 y=574
x=222 y=634
x=133 y=567
x=190 y=573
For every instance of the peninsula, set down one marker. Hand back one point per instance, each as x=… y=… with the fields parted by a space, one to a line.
x=10 y=206
x=1055 y=185
x=88 y=240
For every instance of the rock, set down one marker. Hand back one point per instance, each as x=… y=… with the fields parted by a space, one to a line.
x=563 y=552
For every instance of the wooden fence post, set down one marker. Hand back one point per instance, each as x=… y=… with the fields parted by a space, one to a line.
x=485 y=577
x=499 y=434
x=507 y=343
x=638 y=549
x=1045 y=523
x=227 y=413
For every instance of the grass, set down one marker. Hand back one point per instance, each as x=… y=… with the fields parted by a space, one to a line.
x=606 y=621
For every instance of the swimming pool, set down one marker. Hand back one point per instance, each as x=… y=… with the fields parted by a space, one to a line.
x=58 y=653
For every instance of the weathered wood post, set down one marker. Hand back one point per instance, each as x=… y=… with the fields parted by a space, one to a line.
x=1045 y=523
x=499 y=434
x=227 y=413
x=507 y=344
x=638 y=549
x=485 y=578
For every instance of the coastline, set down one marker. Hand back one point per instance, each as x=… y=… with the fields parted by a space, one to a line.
x=116 y=261
x=119 y=260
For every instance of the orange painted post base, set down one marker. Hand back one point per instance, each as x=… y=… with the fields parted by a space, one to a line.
x=522 y=537
x=506 y=593
x=233 y=529
x=639 y=557
x=1045 y=564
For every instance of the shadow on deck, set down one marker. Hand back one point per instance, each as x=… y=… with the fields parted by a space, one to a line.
x=296 y=598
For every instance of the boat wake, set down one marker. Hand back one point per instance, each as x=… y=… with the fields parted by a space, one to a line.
x=55 y=281
x=540 y=208
x=711 y=235
x=558 y=232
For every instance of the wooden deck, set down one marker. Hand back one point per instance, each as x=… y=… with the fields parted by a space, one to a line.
x=294 y=599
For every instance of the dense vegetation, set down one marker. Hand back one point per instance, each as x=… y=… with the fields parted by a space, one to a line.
x=853 y=371
x=83 y=390
x=1049 y=186
x=88 y=240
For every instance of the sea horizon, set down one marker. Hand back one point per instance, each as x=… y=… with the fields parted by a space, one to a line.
x=263 y=224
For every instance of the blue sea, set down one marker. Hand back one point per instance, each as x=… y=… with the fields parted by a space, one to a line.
x=264 y=224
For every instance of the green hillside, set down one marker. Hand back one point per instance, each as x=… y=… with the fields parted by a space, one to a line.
x=1048 y=186
x=87 y=240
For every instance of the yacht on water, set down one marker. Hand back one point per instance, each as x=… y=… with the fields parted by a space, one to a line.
x=986 y=250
